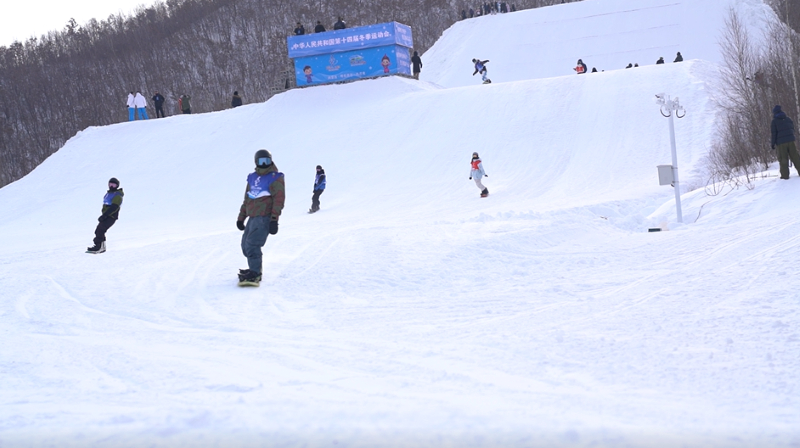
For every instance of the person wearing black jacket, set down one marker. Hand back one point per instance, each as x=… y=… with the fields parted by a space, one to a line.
x=417 y=65
x=783 y=141
x=158 y=100
x=319 y=188
x=319 y=28
x=237 y=100
x=112 y=201
x=340 y=25
x=299 y=30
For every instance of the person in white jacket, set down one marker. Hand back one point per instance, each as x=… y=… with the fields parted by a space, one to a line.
x=476 y=173
x=131 y=107
x=141 y=103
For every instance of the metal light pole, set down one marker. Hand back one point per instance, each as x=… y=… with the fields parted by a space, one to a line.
x=673 y=108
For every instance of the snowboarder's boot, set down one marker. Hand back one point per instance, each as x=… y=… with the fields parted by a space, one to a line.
x=97 y=249
x=485 y=192
x=488 y=81
x=249 y=278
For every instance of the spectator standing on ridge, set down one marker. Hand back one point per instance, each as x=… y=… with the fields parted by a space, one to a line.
x=158 y=100
x=783 y=141
x=480 y=67
x=513 y=7
x=463 y=14
x=580 y=68
x=263 y=201
x=471 y=13
x=319 y=188
x=131 y=107
x=476 y=173
x=237 y=100
x=678 y=58
x=112 y=201
x=417 y=65
x=339 y=25
x=660 y=60
x=299 y=30
x=141 y=105
x=319 y=28
x=184 y=104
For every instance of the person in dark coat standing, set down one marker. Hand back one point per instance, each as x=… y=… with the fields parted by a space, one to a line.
x=678 y=58
x=783 y=141
x=319 y=188
x=471 y=13
x=339 y=25
x=417 y=65
x=660 y=60
x=299 y=30
x=112 y=201
x=158 y=100
x=237 y=100
x=319 y=28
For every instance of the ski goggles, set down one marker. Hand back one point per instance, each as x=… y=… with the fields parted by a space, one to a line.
x=264 y=161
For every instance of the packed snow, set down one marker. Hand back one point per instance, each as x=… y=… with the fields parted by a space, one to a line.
x=409 y=311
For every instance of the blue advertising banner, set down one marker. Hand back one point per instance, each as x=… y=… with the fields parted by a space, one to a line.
x=349 y=39
x=365 y=63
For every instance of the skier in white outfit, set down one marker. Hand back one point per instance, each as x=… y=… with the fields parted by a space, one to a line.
x=131 y=107
x=141 y=103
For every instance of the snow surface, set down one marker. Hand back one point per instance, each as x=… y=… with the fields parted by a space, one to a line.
x=409 y=311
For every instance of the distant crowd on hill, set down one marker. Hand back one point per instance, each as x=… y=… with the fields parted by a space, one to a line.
x=300 y=30
x=137 y=104
x=582 y=68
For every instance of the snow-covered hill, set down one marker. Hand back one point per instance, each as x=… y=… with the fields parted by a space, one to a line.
x=605 y=34
x=409 y=311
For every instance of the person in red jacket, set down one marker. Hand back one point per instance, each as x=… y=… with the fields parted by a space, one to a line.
x=581 y=67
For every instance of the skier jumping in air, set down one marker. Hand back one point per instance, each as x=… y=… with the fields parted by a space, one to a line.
x=111 y=204
x=263 y=202
x=480 y=67
x=477 y=173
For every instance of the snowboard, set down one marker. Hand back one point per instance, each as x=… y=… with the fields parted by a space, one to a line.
x=488 y=81
x=484 y=195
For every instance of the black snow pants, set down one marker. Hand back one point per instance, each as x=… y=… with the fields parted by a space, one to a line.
x=315 y=199
x=102 y=228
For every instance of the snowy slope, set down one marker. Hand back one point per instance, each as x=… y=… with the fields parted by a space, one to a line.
x=409 y=311
x=605 y=34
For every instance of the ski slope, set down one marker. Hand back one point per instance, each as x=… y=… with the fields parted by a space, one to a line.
x=605 y=34
x=408 y=311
